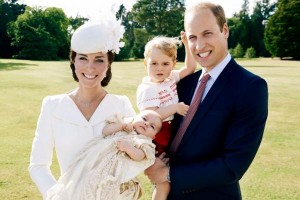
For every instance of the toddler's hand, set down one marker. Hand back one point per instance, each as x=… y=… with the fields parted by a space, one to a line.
x=183 y=38
x=182 y=108
x=127 y=127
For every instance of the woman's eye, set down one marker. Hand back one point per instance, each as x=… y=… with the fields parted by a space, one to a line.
x=100 y=61
x=82 y=58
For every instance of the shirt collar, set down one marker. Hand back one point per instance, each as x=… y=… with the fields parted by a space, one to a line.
x=216 y=71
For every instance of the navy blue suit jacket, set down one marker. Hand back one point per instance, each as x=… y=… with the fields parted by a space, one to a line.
x=222 y=138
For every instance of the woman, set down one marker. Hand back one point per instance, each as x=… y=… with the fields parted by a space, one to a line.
x=68 y=121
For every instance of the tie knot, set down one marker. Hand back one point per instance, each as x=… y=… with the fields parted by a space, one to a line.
x=205 y=77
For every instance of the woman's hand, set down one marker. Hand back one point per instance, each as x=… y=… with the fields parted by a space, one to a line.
x=124 y=145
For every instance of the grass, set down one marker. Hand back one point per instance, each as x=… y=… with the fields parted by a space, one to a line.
x=274 y=174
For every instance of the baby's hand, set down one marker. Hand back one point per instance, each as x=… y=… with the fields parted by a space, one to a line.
x=123 y=145
x=183 y=38
x=127 y=127
x=182 y=109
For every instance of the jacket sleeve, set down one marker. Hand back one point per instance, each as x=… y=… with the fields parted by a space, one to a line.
x=42 y=151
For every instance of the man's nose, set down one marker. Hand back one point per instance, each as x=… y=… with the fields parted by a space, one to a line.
x=199 y=44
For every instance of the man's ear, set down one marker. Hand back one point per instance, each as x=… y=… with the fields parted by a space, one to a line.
x=226 y=30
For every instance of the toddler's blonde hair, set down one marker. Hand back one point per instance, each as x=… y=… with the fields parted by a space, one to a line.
x=167 y=45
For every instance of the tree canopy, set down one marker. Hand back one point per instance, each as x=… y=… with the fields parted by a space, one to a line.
x=41 y=34
x=283 y=30
x=151 y=18
x=44 y=34
x=9 y=11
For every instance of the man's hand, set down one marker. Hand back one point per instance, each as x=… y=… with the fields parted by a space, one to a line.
x=158 y=172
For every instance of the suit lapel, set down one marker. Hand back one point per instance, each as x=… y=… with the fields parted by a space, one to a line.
x=188 y=93
x=210 y=98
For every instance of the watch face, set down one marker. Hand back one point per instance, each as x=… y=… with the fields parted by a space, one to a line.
x=168 y=177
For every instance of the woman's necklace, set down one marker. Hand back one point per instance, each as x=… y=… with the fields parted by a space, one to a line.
x=87 y=104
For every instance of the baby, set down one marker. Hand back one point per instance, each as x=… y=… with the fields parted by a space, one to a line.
x=110 y=172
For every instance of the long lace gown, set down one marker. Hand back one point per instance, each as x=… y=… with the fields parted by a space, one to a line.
x=101 y=172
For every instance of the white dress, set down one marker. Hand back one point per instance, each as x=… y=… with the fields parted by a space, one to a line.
x=61 y=126
x=102 y=172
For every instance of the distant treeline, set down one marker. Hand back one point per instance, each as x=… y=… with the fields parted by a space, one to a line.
x=35 y=33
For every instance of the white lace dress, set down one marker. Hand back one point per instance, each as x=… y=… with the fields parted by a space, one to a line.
x=101 y=172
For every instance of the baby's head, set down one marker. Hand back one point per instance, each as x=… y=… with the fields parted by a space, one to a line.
x=148 y=123
x=160 y=57
x=167 y=45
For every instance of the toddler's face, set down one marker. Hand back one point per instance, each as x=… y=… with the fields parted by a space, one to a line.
x=159 y=65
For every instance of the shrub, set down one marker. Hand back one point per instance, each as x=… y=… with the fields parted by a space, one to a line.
x=250 y=53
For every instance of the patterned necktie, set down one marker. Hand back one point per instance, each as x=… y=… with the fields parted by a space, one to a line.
x=190 y=114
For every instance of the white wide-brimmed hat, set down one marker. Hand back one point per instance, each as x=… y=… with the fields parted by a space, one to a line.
x=98 y=36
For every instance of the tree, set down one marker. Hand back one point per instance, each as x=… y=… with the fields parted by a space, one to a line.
x=245 y=28
x=141 y=38
x=238 y=51
x=41 y=34
x=240 y=28
x=250 y=53
x=74 y=23
x=249 y=30
x=283 y=30
x=234 y=30
x=157 y=17
x=9 y=11
x=261 y=13
x=130 y=25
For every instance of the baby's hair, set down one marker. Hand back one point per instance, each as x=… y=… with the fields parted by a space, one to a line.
x=145 y=112
x=167 y=45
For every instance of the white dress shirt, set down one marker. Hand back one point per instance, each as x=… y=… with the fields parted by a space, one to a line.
x=214 y=74
x=62 y=126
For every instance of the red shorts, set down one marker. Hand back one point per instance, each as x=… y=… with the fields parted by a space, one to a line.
x=162 y=138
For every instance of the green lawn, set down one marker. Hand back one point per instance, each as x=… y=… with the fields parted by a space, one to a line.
x=274 y=174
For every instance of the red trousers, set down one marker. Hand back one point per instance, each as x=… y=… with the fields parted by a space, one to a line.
x=162 y=138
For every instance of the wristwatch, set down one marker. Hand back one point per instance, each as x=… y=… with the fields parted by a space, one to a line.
x=168 y=176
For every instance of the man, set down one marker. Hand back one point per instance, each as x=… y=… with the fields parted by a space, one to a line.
x=225 y=132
